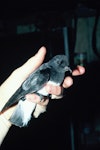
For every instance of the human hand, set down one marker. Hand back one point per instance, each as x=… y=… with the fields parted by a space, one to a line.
x=9 y=87
x=14 y=81
x=56 y=91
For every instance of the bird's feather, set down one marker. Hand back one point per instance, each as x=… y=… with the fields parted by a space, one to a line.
x=51 y=72
x=31 y=85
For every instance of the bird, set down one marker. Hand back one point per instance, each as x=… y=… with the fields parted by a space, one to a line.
x=53 y=72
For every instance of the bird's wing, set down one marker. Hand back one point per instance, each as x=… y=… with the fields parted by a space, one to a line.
x=32 y=84
x=36 y=80
x=12 y=101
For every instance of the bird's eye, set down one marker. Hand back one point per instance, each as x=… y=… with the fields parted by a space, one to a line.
x=58 y=62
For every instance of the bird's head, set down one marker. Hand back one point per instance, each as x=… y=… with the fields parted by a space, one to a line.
x=60 y=62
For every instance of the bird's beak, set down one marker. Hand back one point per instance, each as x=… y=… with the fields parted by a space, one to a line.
x=68 y=69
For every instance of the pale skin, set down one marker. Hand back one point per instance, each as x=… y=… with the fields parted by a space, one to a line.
x=13 y=82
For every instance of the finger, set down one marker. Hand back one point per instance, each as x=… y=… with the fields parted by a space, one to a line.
x=79 y=71
x=44 y=102
x=38 y=110
x=36 y=99
x=33 y=98
x=68 y=81
x=57 y=96
x=55 y=90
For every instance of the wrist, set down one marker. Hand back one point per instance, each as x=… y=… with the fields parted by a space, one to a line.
x=4 y=127
x=5 y=124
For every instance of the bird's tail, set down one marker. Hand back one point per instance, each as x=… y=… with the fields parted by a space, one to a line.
x=22 y=113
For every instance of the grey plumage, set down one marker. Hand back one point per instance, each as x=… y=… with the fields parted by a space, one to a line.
x=52 y=71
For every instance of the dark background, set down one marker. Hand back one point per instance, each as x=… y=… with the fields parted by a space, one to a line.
x=21 y=8
x=69 y=123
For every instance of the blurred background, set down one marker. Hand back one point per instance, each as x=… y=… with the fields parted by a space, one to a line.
x=63 y=27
